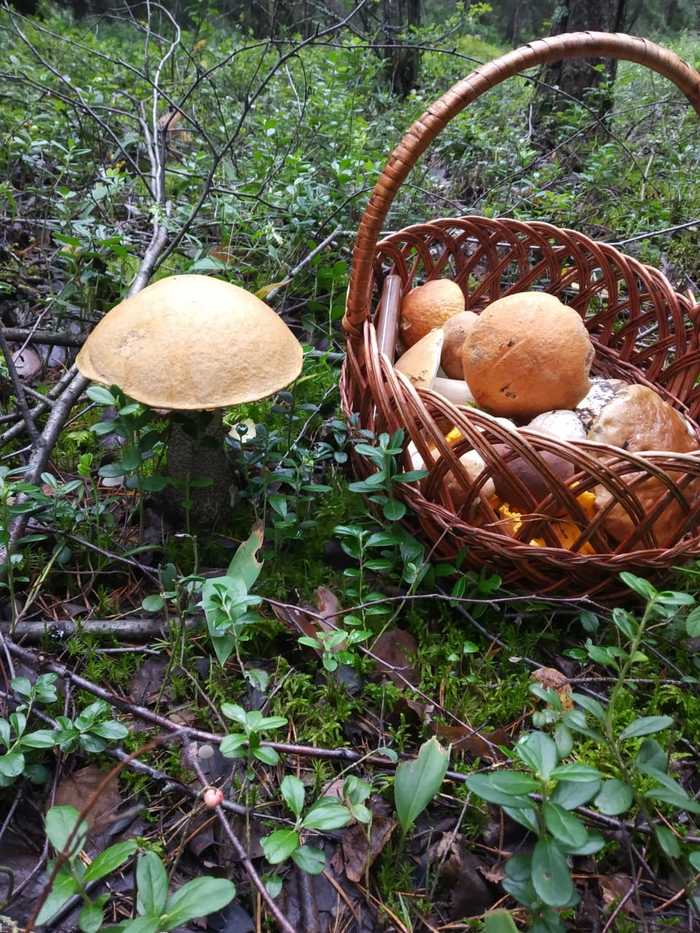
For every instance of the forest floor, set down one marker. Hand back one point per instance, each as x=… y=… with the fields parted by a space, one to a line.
x=321 y=637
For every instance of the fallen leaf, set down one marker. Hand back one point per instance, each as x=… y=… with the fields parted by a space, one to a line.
x=76 y=789
x=552 y=679
x=478 y=744
x=394 y=648
x=615 y=888
x=359 y=852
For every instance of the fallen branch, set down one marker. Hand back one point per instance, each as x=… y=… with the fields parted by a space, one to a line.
x=62 y=629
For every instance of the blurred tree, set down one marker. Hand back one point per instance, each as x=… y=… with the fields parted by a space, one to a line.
x=589 y=79
x=402 y=59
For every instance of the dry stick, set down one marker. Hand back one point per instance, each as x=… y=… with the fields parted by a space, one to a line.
x=47 y=402
x=282 y=921
x=302 y=265
x=67 y=628
x=44 y=337
x=19 y=388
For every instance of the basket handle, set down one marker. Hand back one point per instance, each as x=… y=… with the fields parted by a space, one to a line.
x=434 y=120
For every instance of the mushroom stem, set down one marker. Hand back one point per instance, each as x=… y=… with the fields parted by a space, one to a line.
x=196 y=453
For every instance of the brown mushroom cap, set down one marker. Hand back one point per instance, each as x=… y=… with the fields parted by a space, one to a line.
x=530 y=477
x=528 y=353
x=457 y=329
x=428 y=306
x=192 y=342
x=637 y=419
x=420 y=364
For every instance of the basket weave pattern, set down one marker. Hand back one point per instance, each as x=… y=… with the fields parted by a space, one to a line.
x=642 y=330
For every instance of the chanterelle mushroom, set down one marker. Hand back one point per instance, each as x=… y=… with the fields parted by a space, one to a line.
x=192 y=343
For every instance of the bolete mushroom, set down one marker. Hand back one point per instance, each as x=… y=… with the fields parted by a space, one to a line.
x=457 y=329
x=428 y=306
x=192 y=343
x=527 y=354
x=636 y=418
x=421 y=363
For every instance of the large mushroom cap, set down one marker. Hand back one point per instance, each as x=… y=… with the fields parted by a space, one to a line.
x=191 y=342
x=527 y=354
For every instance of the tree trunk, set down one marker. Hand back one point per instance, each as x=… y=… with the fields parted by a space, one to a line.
x=579 y=78
x=402 y=61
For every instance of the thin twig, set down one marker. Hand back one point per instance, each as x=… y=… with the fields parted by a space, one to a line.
x=244 y=858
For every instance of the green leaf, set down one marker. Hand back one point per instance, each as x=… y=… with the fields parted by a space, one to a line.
x=393 y=510
x=278 y=846
x=231 y=745
x=62 y=890
x=572 y=794
x=640 y=586
x=694 y=859
x=526 y=816
x=140 y=925
x=90 y=918
x=42 y=738
x=327 y=813
x=101 y=395
x=614 y=797
x=293 y=793
x=551 y=878
x=646 y=725
x=309 y=859
x=198 y=898
x=418 y=781
x=564 y=826
x=674 y=799
x=499 y=921
x=651 y=755
x=512 y=782
x=109 y=860
x=111 y=729
x=692 y=623
x=590 y=705
x=483 y=786
x=668 y=841
x=12 y=764
x=267 y=755
x=538 y=752
x=153 y=603
x=60 y=823
x=235 y=712
x=593 y=844
x=245 y=564
x=581 y=774
x=151 y=885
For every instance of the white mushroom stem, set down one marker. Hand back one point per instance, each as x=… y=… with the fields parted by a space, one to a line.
x=455 y=390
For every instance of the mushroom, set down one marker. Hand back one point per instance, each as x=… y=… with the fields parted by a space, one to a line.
x=192 y=343
x=526 y=354
x=421 y=363
x=428 y=306
x=529 y=476
x=457 y=329
x=562 y=423
x=636 y=418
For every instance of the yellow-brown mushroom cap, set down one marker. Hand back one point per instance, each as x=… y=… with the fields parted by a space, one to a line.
x=191 y=342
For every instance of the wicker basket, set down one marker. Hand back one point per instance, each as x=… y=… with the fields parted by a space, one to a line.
x=642 y=330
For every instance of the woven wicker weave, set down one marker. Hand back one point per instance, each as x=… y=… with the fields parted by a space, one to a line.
x=642 y=330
